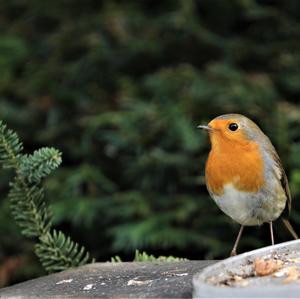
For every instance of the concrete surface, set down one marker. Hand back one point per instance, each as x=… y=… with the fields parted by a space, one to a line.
x=113 y=280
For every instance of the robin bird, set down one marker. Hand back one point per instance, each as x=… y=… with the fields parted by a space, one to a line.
x=244 y=174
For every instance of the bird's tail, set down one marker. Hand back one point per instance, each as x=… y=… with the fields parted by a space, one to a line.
x=290 y=228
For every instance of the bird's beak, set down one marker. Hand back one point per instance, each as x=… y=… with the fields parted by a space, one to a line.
x=207 y=128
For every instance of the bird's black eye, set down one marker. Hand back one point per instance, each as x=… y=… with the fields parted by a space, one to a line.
x=233 y=126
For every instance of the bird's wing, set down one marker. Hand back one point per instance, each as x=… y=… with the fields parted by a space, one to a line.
x=284 y=182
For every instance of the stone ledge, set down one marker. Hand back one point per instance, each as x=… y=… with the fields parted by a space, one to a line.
x=113 y=280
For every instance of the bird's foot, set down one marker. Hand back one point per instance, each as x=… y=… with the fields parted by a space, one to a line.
x=233 y=253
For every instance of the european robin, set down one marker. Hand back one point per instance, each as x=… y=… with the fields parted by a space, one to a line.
x=244 y=174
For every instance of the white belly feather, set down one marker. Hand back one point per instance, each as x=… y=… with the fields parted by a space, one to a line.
x=251 y=208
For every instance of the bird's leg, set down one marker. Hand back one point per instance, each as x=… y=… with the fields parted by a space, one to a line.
x=271 y=232
x=236 y=243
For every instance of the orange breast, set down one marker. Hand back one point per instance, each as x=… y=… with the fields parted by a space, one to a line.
x=234 y=163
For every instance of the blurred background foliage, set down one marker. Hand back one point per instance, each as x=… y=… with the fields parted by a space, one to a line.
x=119 y=87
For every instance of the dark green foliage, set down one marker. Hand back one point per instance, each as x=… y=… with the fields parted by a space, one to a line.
x=119 y=87
x=55 y=251
x=145 y=257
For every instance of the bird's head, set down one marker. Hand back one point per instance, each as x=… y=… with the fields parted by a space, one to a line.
x=232 y=129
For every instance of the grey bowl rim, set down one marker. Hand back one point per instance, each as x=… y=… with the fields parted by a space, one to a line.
x=199 y=278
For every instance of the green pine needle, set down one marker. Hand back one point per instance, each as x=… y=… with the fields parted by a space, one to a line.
x=145 y=257
x=58 y=252
x=10 y=147
x=55 y=251
x=40 y=164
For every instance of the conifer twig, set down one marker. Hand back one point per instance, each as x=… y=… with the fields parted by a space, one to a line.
x=55 y=251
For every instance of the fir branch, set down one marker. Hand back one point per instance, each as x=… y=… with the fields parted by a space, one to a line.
x=145 y=257
x=10 y=147
x=58 y=252
x=40 y=164
x=55 y=251
x=29 y=209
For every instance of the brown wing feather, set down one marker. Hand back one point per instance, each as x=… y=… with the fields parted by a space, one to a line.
x=285 y=185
